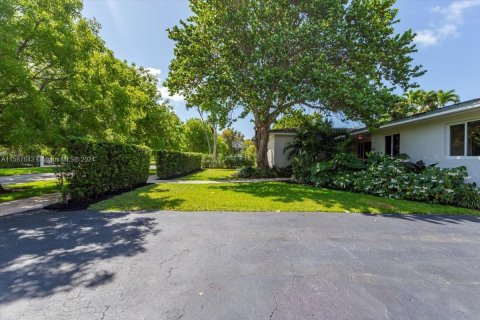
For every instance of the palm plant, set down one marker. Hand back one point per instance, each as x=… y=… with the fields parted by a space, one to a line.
x=316 y=141
x=444 y=97
x=415 y=101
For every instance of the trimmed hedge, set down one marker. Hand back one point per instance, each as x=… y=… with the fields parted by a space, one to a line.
x=234 y=162
x=93 y=169
x=173 y=164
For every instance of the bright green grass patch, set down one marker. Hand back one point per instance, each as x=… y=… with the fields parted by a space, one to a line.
x=263 y=196
x=18 y=171
x=27 y=190
x=210 y=174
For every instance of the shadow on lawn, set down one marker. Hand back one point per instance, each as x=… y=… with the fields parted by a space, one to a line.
x=290 y=193
x=48 y=252
x=347 y=201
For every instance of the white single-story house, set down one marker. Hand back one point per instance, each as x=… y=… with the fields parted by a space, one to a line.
x=449 y=137
x=277 y=141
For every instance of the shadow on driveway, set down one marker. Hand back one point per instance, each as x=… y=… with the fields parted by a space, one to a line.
x=433 y=218
x=47 y=252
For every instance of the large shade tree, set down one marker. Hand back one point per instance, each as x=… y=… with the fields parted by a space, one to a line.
x=59 y=79
x=267 y=56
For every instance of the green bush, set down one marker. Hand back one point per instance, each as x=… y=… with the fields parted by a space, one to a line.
x=173 y=164
x=233 y=162
x=261 y=173
x=208 y=162
x=92 y=169
x=396 y=177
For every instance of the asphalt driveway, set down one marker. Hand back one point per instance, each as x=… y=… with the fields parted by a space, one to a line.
x=161 y=265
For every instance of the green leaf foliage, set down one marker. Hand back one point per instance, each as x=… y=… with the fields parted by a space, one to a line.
x=396 y=177
x=315 y=141
x=417 y=101
x=93 y=169
x=174 y=164
x=265 y=57
x=59 y=80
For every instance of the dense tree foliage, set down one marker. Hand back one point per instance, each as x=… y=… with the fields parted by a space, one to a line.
x=295 y=118
x=234 y=140
x=417 y=101
x=60 y=80
x=268 y=56
x=194 y=136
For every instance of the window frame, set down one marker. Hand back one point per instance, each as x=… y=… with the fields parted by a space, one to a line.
x=391 y=135
x=465 y=142
x=362 y=145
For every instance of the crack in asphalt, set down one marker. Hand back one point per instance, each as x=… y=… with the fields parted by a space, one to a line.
x=276 y=307
x=104 y=312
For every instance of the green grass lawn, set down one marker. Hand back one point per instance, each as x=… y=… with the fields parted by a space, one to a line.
x=29 y=189
x=210 y=174
x=18 y=171
x=263 y=196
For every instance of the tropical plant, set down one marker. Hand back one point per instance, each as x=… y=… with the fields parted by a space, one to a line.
x=315 y=142
x=444 y=97
x=397 y=177
x=266 y=57
x=416 y=101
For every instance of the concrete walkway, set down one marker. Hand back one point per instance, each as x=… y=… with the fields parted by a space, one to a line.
x=27 y=178
x=27 y=204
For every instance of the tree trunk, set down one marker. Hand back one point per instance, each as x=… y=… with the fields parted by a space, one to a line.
x=205 y=130
x=262 y=133
x=214 y=129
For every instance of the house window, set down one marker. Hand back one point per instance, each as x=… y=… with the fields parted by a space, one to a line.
x=473 y=138
x=457 y=140
x=465 y=139
x=363 y=148
x=392 y=145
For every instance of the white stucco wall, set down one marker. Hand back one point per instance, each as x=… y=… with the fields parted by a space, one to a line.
x=428 y=141
x=271 y=150
x=276 y=145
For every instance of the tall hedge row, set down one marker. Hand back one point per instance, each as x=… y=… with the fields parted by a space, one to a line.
x=172 y=164
x=92 y=169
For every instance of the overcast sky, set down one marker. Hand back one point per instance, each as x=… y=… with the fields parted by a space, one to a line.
x=448 y=38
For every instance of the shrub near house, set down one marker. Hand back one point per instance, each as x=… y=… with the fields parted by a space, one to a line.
x=396 y=177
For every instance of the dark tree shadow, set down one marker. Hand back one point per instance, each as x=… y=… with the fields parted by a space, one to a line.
x=45 y=252
x=432 y=218
x=348 y=201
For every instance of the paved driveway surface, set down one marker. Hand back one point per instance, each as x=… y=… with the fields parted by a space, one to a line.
x=160 y=265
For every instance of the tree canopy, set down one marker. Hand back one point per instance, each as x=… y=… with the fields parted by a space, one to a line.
x=268 y=56
x=295 y=118
x=59 y=80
